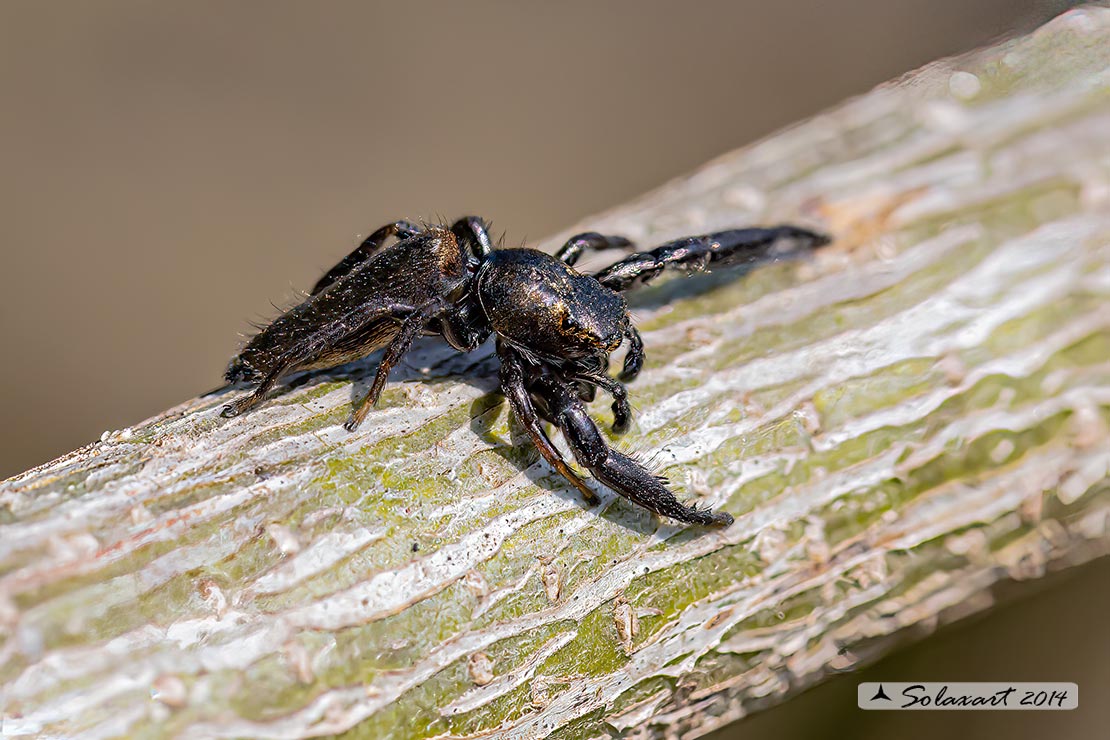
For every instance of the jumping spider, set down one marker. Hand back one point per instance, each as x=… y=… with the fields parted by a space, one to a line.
x=555 y=327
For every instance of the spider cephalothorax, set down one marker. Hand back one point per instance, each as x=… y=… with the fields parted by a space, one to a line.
x=555 y=328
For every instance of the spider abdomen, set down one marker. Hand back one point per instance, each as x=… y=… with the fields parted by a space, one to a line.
x=357 y=313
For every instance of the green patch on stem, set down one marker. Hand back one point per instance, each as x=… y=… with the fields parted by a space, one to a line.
x=886 y=388
x=671 y=590
x=642 y=691
x=595 y=651
x=792 y=609
x=961 y=460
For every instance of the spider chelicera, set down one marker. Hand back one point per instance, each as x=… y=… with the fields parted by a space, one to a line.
x=555 y=328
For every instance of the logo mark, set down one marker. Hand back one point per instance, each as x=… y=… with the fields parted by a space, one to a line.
x=880 y=694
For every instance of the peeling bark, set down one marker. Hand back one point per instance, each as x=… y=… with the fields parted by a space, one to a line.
x=913 y=416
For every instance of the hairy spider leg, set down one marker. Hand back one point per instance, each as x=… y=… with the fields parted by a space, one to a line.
x=474 y=232
x=696 y=253
x=579 y=243
x=241 y=404
x=634 y=359
x=622 y=411
x=514 y=387
x=619 y=472
x=370 y=245
x=410 y=329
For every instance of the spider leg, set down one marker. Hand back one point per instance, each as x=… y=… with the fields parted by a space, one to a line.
x=634 y=360
x=411 y=327
x=364 y=251
x=515 y=388
x=576 y=245
x=474 y=232
x=696 y=253
x=622 y=412
x=252 y=399
x=620 y=472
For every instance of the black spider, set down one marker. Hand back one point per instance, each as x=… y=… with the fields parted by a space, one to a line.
x=555 y=328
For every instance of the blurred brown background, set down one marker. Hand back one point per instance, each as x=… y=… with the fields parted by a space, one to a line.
x=169 y=168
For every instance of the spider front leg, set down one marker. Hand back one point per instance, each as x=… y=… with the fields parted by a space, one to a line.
x=696 y=253
x=579 y=243
x=622 y=411
x=591 y=377
x=514 y=386
x=634 y=360
x=620 y=472
x=364 y=251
